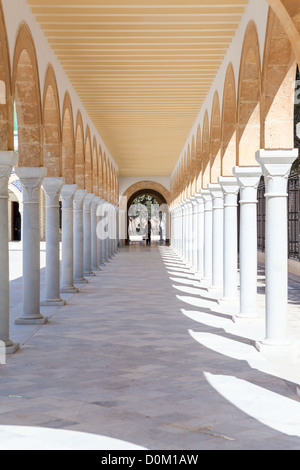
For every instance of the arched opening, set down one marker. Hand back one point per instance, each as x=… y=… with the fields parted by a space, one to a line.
x=148 y=218
x=249 y=100
x=26 y=95
x=215 y=141
x=79 y=153
x=51 y=126
x=68 y=147
x=228 y=150
x=88 y=162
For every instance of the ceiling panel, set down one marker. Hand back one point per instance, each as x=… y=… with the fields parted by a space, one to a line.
x=141 y=68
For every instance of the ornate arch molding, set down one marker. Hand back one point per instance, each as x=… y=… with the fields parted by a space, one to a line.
x=144 y=186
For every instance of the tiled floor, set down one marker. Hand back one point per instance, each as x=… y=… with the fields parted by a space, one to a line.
x=138 y=355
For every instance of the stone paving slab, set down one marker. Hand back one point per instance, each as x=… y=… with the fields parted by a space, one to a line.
x=133 y=358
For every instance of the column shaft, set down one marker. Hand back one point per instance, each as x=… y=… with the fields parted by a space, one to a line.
x=67 y=265
x=79 y=198
x=218 y=232
x=7 y=161
x=87 y=235
x=276 y=166
x=207 y=234
x=52 y=188
x=248 y=179
x=94 y=238
x=31 y=180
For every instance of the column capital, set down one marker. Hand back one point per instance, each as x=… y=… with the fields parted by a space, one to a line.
x=31 y=180
x=248 y=176
x=206 y=194
x=276 y=166
x=79 y=198
x=217 y=196
x=229 y=184
x=52 y=188
x=67 y=195
x=88 y=202
x=7 y=161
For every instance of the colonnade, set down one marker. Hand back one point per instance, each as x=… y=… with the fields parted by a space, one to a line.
x=89 y=240
x=205 y=235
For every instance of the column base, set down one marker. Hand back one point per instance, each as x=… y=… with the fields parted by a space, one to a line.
x=32 y=321
x=96 y=269
x=242 y=317
x=69 y=290
x=279 y=346
x=91 y=274
x=81 y=281
x=53 y=303
x=12 y=348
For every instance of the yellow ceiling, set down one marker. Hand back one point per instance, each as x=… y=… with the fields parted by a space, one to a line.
x=142 y=68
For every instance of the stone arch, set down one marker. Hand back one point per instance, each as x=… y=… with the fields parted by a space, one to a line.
x=143 y=187
x=104 y=178
x=228 y=134
x=88 y=162
x=215 y=140
x=288 y=13
x=27 y=98
x=79 y=153
x=68 y=145
x=51 y=126
x=108 y=193
x=194 y=167
x=6 y=101
x=198 y=160
x=100 y=173
x=205 y=151
x=278 y=88
x=95 y=168
x=249 y=99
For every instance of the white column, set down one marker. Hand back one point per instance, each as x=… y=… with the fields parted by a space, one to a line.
x=67 y=264
x=200 y=235
x=79 y=198
x=116 y=243
x=100 y=240
x=106 y=229
x=186 y=230
x=193 y=232
x=276 y=166
x=87 y=234
x=207 y=235
x=94 y=238
x=230 y=188
x=7 y=161
x=248 y=179
x=217 y=239
x=31 y=180
x=52 y=188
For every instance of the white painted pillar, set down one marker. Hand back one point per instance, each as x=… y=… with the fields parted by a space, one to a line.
x=100 y=240
x=94 y=239
x=248 y=179
x=230 y=188
x=186 y=230
x=217 y=236
x=207 y=197
x=200 y=235
x=194 y=239
x=116 y=241
x=106 y=228
x=276 y=166
x=31 y=180
x=87 y=234
x=52 y=188
x=79 y=198
x=7 y=161
x=67 y=264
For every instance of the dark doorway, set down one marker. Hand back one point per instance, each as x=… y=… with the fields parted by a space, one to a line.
x=16 y=222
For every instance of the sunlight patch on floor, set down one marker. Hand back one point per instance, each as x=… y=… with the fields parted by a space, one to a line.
x=269 y=408
x=32 y=438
